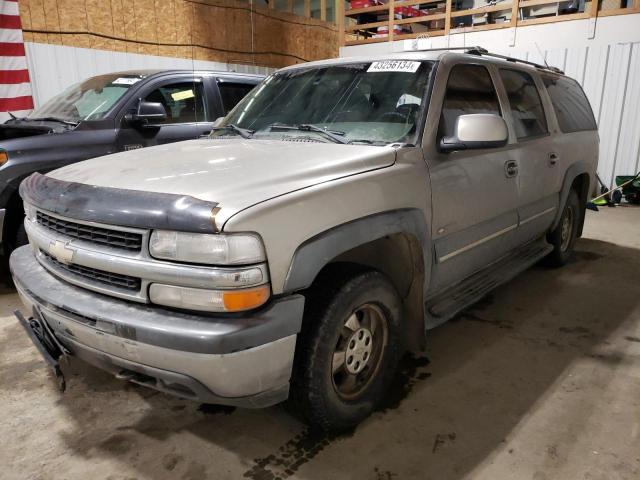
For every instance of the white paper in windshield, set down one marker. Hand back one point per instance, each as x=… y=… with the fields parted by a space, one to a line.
x=394 y=66
x=125 y=81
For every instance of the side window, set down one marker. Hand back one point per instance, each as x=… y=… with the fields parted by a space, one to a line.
x=469 y=90
x=183 y=102
x=526 y=107
x=232 y=93
x=570 y=104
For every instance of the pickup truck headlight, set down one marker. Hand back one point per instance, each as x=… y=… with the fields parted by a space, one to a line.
x=209 y=300
x=213 y=249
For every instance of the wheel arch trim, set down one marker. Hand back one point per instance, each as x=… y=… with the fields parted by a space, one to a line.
x=573 y=172
x=318 y=251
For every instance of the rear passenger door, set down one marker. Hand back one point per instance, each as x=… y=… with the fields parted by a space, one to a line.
x=474 y=193
x=535 y=152
x=232 y=90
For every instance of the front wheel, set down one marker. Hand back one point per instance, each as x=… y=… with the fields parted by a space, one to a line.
x=348 y=350
x=563 y=237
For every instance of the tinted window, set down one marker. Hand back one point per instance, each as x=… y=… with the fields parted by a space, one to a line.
x=232 y=93
x=524 y=100
x=365 y=102
x=469 y=90
x=183 y=102
x=570 y=104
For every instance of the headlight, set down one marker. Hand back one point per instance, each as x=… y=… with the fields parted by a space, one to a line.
x=213 y=249
x=209 y=300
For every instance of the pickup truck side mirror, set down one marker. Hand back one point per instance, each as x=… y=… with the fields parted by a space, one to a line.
x=474 y=131
x=148 y=114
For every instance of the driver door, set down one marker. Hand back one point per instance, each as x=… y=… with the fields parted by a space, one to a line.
x=474 y=193
x=187 y=117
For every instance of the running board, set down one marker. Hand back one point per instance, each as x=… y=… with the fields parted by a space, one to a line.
x=445 y=305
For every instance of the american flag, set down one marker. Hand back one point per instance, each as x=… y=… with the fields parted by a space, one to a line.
x=15 y=89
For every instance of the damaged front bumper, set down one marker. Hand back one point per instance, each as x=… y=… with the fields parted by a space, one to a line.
x=242 y=360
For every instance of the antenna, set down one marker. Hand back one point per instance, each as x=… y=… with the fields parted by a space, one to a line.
x=544 y=57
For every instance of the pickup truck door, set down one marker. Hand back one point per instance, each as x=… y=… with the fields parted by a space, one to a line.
x=474 y=192
x=188 y=113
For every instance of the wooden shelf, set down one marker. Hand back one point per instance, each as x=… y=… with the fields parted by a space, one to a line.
x=360 y=11
x=591 y=11
x=364 y=26
x=554 y=19
x=424 y=18
x=481 y=10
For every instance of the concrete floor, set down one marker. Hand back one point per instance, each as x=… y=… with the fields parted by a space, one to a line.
x=539 y=381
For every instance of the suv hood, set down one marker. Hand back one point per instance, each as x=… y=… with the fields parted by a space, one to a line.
x=235 y=173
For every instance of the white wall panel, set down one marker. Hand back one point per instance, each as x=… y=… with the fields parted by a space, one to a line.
x=607 y=66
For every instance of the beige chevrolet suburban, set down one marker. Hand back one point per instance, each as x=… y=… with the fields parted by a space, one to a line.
x=339 y=212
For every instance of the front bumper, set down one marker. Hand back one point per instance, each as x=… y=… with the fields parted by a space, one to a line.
x=242 y=360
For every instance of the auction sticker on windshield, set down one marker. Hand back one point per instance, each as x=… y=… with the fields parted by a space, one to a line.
x=126 y=81
x=394 y=66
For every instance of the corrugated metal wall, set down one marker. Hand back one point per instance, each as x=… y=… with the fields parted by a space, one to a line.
x=610 y=76
x=53 y=68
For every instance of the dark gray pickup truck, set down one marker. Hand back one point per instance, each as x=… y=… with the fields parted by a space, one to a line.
x=107 y=114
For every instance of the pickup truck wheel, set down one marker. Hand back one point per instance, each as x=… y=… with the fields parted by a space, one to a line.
x=563 y=237
x=347 y=352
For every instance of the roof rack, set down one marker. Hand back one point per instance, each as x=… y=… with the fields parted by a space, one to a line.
x=476 y=50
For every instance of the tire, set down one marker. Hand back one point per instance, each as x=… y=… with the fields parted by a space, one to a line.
x=563 y=237
x=358 y=314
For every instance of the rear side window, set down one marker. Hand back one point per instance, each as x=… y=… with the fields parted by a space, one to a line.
x=526 y=107
x=469 y=90
x=570 y=104
x=232 y=93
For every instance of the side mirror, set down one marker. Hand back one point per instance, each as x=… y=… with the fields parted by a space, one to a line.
x=474 y=131
x=148 y=114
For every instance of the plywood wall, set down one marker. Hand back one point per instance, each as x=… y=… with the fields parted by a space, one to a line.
x=227 y=31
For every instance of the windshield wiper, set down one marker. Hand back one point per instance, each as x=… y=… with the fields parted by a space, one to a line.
x=52 y=119
x=307 y=127
x=243 y=132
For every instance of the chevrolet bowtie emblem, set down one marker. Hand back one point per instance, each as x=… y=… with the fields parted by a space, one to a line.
x=61 y=252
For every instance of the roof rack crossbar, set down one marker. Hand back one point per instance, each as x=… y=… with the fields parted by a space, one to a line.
x=477 y=50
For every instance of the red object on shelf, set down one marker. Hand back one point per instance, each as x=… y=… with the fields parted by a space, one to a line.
x=364 y=3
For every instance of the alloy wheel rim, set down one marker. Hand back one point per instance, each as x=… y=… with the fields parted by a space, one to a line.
x=566 y=228
x=359 y=350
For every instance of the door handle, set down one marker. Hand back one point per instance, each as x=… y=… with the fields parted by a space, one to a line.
x=511 y=168
x=553 y=159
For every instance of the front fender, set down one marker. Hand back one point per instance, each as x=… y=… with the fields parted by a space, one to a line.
x=310 y=257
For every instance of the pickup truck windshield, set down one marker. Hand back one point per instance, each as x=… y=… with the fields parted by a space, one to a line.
x=88 y=100
x=375 y=103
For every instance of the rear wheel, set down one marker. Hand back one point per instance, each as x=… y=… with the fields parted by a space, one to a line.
x=348 y=350
x=563 y=237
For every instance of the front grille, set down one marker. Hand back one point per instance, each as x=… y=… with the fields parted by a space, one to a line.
x=99 y=276
x=99 y=235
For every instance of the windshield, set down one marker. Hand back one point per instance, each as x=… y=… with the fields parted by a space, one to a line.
x=374 y=102
x=88 y=100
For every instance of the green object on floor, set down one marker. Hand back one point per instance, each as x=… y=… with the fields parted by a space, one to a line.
x=630 y=187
